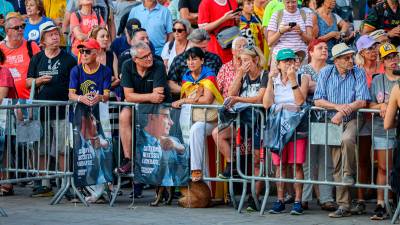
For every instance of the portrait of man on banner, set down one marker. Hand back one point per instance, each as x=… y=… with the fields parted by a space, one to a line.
x=161 y=158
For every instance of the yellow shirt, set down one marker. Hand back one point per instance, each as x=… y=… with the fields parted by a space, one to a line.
x=55 y=10
x=259 y=12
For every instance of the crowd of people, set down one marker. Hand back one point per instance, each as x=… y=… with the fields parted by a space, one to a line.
x=271 y=52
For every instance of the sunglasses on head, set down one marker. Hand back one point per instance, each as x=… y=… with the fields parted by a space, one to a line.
x=178 y=30
x=85 y=51
x=20 y=27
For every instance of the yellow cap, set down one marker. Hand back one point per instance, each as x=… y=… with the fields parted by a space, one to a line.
x=386 y=49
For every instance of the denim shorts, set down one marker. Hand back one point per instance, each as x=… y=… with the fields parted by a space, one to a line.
x=381 y=143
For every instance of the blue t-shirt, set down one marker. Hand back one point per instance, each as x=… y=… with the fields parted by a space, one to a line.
x=32 y=32
x=83 y=83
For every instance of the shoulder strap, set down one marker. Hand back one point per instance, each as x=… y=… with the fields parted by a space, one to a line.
x=29 y=47
x=303 y=15
x=229 y=4
x=78 y=15
x=170 y=45
x=299 y=79
x=279 y=17
x=383 y=85
x=98 y=17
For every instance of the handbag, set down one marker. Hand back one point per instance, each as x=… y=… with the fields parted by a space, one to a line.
x=203 y=114
x=226 y=35
x=280 y=125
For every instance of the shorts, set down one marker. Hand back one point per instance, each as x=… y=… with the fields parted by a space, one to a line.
x=63 y=130
x=381 y=143
x=288 y=153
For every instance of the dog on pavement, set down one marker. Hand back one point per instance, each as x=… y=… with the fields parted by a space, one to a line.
x=195 y=195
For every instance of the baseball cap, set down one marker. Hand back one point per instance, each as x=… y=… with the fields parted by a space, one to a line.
x=387 y=49
x=284 y=54
x=365 y=42
x=90 y=44
x=133 y=24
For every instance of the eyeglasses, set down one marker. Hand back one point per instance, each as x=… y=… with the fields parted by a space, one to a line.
x=85 y=51
x=148 y=57
x=178 y=30
x=20 y=27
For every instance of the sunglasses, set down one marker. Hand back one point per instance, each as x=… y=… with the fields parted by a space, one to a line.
x=85 y=51
x=178 y=30
x=20 y=27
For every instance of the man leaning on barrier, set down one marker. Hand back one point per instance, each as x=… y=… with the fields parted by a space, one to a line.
x=144 y=81
x=342 y=87
x=49 y=71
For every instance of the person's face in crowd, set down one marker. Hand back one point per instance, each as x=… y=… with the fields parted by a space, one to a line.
x=345 y=62
x=290 y=5
x=391 y=61
x=31 y=8
x=144 y=58
x=162 y=122
x=320 y=52
x=240 y=45
x=194 y=64
x=103 y=38
x=371 y=53
x=330 y=4
x=141 y=36
x=284 y=65
x=179 y=31
x=88 y=56
x=246 y=59
x=51 y=39
x=86 y=2
x=201 y=44
x=15 y=32
x=248 y=7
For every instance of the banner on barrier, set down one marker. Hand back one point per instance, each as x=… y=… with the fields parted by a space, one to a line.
x=162 y=158
x=92 y=145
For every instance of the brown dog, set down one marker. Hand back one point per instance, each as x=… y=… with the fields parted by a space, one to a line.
x=161 y=192
x=197 y=195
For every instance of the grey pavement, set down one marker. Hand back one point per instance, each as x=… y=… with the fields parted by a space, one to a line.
x=24 y=210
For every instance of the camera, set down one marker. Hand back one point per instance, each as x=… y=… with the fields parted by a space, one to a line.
x=292 y=24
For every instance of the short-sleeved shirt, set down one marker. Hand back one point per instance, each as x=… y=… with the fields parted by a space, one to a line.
x=179 y=66
x=55 y=9
x=341 y=90
x=157 y=22
x=381 y=88
x=191 y=5
x=97 y=82
x=272 y=7
x=6 y=80
x=210 y=11
x=17 y=61
x=86 y=24
x=382 y=17
x=154 y=77
x=105 y=5
x=225 y=78
x=250 y=88
x=252 y=31
x=290 y=39
x=32 y=32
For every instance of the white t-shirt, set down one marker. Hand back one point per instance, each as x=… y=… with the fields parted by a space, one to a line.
x=166 y=54
x=283 y=94
x=290 y=39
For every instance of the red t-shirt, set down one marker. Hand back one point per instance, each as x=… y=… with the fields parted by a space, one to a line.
x=210 y=11
x=6 y=80
x=17 y=61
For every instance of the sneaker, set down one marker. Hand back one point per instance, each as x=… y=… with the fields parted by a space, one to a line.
x=297 y=209
x=125 y=168
x=251 y=205
x=42 y=191
x=227 y=172
x=339 y=213
x=379 y=213
x=277 y=207
x=358 y=208
x=289 y=199
x=349 y=180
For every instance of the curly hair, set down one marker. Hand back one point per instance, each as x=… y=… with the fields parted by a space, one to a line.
x=39 y=5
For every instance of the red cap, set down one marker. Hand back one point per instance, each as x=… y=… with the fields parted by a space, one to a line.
x=90 y=44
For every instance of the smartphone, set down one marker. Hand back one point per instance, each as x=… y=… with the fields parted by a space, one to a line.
x=239 y=9
x=292 y=24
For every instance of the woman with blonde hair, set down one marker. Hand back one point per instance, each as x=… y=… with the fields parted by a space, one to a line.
x=36 y=17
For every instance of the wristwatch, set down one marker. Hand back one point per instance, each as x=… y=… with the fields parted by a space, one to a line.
x=295 y=87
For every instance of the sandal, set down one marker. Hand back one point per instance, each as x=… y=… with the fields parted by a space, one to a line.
x=6 y=190
x=197 y=175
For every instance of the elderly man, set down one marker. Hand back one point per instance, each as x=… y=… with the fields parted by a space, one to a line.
x=198 y=38
x=342 y=87
x=144 y=81
x=18 y=52
x=157 y=20
x=49 y=70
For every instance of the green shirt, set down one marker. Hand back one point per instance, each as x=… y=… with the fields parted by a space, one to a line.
x=271 y=8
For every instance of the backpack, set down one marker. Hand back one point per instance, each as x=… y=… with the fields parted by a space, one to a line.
x=29 y=47
x=78 y=15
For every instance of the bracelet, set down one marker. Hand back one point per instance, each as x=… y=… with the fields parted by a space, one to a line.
x=79 y=98
x=295 y=87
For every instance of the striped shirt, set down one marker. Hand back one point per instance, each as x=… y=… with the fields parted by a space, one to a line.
x=341 y=90
x=290 y=39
